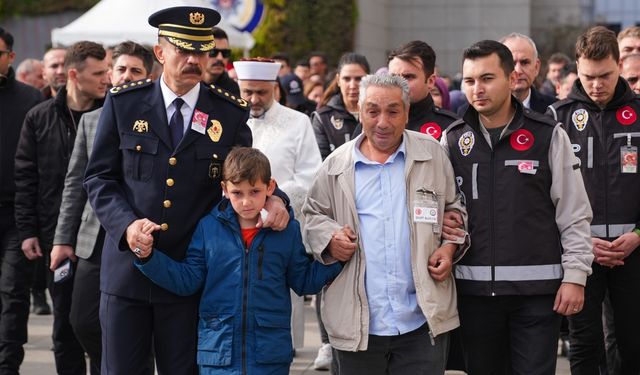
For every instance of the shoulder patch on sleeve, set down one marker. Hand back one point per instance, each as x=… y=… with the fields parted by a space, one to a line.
x=130 y=86
x=228 y=96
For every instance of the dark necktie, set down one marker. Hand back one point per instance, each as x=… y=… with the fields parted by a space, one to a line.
x=177 y=123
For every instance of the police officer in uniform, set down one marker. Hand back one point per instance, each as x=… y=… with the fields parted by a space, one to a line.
x=416 y=61
x=529 y=218
x=158 y=155
x=601 y=117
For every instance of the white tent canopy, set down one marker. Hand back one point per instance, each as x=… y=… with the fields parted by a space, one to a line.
x=113 y=21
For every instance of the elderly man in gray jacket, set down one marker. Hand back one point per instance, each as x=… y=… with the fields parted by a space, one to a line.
x=377 y=204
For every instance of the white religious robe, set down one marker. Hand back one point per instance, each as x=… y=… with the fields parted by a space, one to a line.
x=286 y=137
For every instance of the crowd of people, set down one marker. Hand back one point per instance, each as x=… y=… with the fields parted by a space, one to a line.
x=178 y=205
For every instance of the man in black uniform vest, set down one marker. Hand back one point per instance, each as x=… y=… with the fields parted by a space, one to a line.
x=601 y=117
x=157 y=156
x=415 y=62
x=529 y=218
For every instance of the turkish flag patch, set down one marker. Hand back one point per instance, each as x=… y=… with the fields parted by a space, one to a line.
x=626 y=115
x=521 y=140
x=432 y=129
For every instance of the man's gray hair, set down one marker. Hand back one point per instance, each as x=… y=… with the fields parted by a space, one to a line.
x=27 y=66
x=524 y=37
x=387 y=81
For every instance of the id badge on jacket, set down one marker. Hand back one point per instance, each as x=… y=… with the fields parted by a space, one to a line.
x=629 y=157
x=425 y=208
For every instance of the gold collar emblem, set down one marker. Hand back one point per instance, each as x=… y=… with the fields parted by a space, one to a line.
x=141 y=126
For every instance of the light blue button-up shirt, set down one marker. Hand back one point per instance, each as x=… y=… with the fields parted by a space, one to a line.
x=384 y=229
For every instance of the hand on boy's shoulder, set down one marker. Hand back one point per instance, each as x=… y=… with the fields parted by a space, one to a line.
x=277 y=217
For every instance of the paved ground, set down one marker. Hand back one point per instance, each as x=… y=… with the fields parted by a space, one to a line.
x=39 y=357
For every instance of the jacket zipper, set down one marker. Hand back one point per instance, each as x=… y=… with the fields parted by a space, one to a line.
x=492 y=236
x=245 y=298
x=606 y=173
x=260 y=258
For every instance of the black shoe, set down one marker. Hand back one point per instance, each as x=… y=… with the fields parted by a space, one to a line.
x=40 y=305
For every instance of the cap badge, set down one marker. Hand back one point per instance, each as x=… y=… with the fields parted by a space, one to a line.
x=196 y=18
x=141 y=126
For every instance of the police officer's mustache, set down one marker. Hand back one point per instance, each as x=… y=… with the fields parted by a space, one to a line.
x=192 y=70
x=219 y=63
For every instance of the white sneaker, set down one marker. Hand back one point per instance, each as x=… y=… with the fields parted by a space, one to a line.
x=323 y=360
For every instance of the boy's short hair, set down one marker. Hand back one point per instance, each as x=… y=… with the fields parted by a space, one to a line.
x=597 y=44
x=246 y=164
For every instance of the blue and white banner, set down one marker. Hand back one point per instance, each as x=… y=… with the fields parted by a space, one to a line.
x=244 y=15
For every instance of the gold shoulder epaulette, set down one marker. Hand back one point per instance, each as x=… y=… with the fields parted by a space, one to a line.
x=229 y=96
x=130 y=86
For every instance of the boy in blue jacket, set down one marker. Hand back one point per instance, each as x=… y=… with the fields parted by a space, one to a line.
x=244 y=272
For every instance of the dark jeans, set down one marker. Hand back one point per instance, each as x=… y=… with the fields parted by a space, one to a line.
x=68 y=352
x=509 y=334
x=15 y=280
x=586 y=331
x=409 y=353
x=85 y=306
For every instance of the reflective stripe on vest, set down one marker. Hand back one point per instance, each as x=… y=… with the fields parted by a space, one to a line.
x=615 y=230
x=510 y=273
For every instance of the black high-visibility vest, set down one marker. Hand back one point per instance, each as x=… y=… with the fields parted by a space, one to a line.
x=598 y=136
x=515 y=243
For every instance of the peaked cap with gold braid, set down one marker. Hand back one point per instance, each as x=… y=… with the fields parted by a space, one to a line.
x=188 y=28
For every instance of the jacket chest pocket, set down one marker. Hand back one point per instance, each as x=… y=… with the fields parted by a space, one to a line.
x=138 y=154
x=208 y=165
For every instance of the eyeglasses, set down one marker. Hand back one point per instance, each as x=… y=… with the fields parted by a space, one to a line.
x=226 y=52
x=4 y=51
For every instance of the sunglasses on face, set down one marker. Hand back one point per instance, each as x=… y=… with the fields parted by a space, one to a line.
x=224 y=51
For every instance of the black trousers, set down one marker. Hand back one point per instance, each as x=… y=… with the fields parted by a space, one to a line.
x=130 y=327
x=15 y=281
x=410 y=353
x=85 y=305
x=67 y=351
x=513 y=335
x=586 y=331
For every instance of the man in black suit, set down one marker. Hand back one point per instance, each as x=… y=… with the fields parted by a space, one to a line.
x=158 y=156
x=525 y=55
